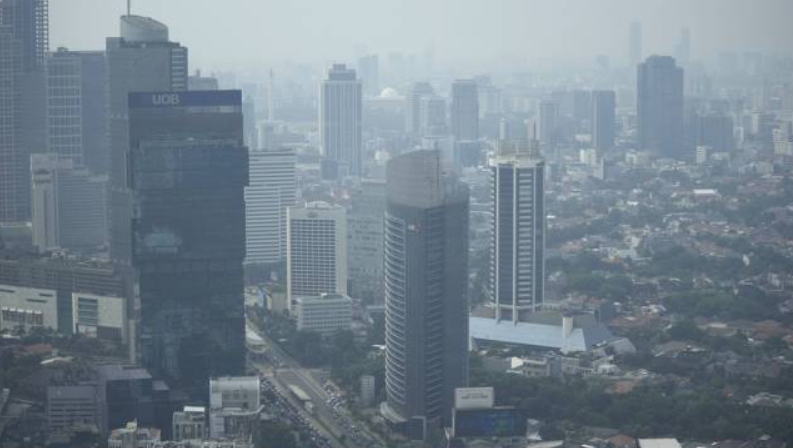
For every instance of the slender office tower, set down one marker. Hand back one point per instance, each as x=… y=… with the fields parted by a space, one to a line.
x=340 y=125
x=188 y=169
x=426 y=271
x=76 y=102
x=517 y=257
x=635 y=44
x=414 y=98
x=548 y=125
x=465 y=110
x=659 y=107
x=603 y=119
x=141 y=60
x=369 y=69
x=683 y=48
x=24 y=43
x=271 y=191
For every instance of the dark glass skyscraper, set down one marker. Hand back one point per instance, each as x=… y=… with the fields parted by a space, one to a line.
x=465 y=110
x=186 y=170
x=426 y=271
x=659 y=106
x=24 y=42
x=604 y=106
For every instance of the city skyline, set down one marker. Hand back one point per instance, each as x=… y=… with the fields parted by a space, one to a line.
x=527 y=31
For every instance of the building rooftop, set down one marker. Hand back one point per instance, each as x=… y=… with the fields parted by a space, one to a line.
x=546 y=335
x=117 y=372
x=659 y=443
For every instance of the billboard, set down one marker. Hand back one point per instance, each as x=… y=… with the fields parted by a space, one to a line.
x=195 y=98
x=494 y=422
x=473 y=397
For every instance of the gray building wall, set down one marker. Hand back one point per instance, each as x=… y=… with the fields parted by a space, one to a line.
x=426 y=262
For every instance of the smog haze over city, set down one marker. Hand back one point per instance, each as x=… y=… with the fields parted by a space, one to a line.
x=396 y=224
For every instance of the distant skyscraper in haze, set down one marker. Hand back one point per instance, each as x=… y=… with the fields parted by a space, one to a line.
x=250 y=120
x=465 y=110
x=604 y=122
x=186 y=232
x=199 y=82
x=340 y=120
x=683 y=49
x=659 y=106
x=426 y=271
x=69 y=204
x=24 y=43
x=316 y=260
x=433 y=116
x=418 y=91
x=141 y=60
x=76 y=102
x=635 y=44
x=548 y=125
x=517 y=283
x=271 y=190
x=369 y=70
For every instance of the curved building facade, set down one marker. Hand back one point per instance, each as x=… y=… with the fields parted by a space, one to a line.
x=425 y=269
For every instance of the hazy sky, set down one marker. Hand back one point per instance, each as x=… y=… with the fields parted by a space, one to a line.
x=255 y=31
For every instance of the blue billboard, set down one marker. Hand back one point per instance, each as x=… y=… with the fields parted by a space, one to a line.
x=493 y=422
x=196 y=98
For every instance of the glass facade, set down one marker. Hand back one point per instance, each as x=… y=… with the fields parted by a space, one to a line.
x=187 y=169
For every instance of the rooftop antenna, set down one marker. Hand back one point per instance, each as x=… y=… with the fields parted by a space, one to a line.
x=129 y=7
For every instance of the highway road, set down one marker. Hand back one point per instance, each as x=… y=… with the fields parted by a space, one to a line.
x=329 y=411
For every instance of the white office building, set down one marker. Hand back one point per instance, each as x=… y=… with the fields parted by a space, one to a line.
x=27 y=308
x=99 y=316
x=316 y=251
x=324 y=314
x=271 y=190
x=340 y=120
x=517 y=282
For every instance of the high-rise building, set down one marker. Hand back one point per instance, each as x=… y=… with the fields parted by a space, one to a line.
x=465 y=110
x=142 y=59
x=69 y=204
x=340 y=120
x=369 y=69
x=659 y=106
x=604 y=121
x=187 y=171
x=24 y=43
x=635 y=45
x=199 y=82
x=683 y=48
x=517 y=257
x=316 y=260
x=433 y=116
x=250 y=120
x=365 y=242
x=76 y=102
x=417 y=93
x=271 y=190
x=548 y=125
x=426 y=271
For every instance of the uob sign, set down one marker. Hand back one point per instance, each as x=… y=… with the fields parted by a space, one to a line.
x=165 y=99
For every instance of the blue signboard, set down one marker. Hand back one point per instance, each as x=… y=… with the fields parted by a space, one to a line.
x=494 y=422
x=197 y=98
